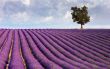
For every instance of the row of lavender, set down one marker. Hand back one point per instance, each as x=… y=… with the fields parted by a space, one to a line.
x=54 y=49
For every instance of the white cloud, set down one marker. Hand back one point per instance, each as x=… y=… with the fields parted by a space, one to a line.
x=1 y=16
x=92 y=18
x=97 y=26
x=26 y=2
x=67 y=16
x=1 y=19
x=51 y=11
x=20 y=17
x=93 y=4
x=107 y=4
x=49 y=18
x=72 y=1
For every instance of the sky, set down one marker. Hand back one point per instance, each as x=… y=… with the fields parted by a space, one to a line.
x=43 y=14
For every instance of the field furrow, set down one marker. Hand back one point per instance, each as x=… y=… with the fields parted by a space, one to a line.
x=54 y=49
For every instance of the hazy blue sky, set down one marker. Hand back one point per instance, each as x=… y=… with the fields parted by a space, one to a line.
x=51 y=13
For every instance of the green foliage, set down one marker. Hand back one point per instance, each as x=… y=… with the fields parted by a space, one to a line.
x=80 y=15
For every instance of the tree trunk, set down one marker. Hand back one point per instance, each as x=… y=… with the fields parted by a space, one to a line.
x=81 y=26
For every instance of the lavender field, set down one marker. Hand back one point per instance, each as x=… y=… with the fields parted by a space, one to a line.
x=54 y=49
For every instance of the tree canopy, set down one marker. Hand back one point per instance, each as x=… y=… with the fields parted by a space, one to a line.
x=80 y=15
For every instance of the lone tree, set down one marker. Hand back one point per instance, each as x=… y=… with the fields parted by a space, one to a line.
x=80 y=15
